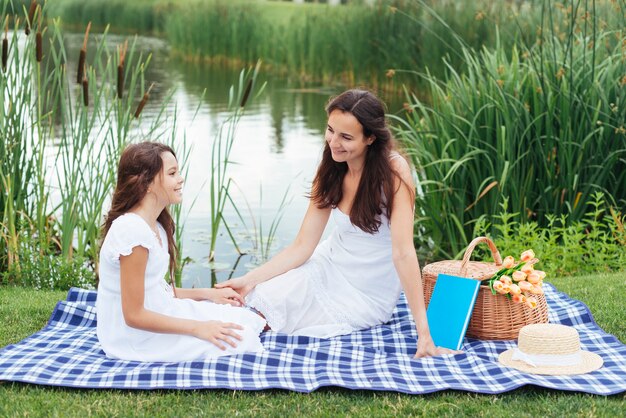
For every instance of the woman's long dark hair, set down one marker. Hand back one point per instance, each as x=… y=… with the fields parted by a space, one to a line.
x=139 y=165
x=376 y=187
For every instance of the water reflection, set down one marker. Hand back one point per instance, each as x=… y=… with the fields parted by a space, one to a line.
x=278 y=145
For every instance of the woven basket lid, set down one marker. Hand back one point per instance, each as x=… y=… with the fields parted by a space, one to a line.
x=475 y=269
x=465 y=268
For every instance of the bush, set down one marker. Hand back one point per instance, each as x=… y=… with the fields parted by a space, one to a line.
x=45 y=268
x=595 y=244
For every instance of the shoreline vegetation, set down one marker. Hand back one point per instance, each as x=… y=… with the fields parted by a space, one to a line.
x=353 y=44
x=522 y=137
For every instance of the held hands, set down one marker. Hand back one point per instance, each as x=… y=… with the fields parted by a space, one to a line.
x=240 y=285
x=217 y=332
x=426 y=348
x=225 y=296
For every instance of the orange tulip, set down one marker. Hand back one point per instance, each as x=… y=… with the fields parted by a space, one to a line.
x=527 y=268
x=515 y=289
x=518 y=298
x=536 y=290
x=519 y=276
x=506 y=280
x=498 y=286
x=531 y=302
x=508 y=262
x=525 y=286
x=533 y=278
x=541 y=274
x=527 y=255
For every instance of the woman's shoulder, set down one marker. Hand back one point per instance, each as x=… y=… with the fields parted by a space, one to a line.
x=399 y=163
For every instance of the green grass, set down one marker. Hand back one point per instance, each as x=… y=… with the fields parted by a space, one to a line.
x=25 y=311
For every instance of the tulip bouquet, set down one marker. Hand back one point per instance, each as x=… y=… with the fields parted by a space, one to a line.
x=518 y=281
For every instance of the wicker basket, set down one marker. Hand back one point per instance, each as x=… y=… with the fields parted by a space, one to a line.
x=495 y=317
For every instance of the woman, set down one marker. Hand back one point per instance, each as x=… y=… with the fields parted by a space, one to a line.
x=352 y=280
x=140 y=316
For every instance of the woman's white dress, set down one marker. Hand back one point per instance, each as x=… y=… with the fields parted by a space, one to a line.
x=120 y=341
x=349 y=283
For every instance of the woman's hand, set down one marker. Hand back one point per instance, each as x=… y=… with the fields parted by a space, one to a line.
x=217 y=332
x=239 y=285
x=225 y=296
x=426 y=348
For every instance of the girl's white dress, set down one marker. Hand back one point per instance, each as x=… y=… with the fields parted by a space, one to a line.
x=120 y=341
x=349 y=283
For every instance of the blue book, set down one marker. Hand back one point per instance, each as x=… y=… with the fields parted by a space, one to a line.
x=450 y=309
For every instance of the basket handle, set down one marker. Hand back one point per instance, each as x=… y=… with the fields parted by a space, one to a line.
x=470 y=248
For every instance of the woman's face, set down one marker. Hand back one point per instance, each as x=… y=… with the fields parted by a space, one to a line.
x=168 y=185
x=344 y=135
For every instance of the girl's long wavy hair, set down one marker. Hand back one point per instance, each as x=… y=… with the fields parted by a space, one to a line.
x=139 y=165
x=375 y=191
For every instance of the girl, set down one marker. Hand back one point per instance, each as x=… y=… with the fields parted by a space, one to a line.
x=140 y=316
x=353 y=279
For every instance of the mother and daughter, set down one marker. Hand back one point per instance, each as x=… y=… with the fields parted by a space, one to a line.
x=350 y=281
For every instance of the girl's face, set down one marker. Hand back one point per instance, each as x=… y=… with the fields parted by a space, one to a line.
x=168 y=185
x=345 y=138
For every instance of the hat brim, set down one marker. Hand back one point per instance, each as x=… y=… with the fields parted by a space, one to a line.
x=590 y=362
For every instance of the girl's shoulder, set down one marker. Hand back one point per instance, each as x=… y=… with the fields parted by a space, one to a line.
x=127 y=232
x=129 y=224
x=128 y=219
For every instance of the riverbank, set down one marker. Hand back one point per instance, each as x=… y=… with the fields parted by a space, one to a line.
x=383 y=46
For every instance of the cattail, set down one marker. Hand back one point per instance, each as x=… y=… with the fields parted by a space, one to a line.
x=31 y=15
x=246 y=93
x=120 y=69
x=38 y=47
x=85 y=89
x=82 y=56
x=143 y=101
x=39 y=40
x=5 y=47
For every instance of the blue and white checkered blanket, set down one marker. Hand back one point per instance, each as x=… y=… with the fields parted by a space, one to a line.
x=67 y=353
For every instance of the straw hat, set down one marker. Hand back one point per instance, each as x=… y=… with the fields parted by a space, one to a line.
x=550 y=349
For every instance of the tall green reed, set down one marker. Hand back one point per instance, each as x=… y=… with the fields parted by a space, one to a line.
x=263 y=239
x=240 y=95
x=542 y=125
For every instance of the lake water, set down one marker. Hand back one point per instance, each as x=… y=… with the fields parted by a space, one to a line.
x=277 y=148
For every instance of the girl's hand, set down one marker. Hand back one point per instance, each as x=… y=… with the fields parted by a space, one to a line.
x=426 y=348
x=225 y=296
x=239 y=285
x=218 y=332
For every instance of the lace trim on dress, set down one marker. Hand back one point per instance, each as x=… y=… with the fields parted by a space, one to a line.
x=274 y=318
x=339 y=316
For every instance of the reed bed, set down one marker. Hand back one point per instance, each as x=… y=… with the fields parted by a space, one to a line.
x=63 y=129
x=349 y=44
x=542 y=126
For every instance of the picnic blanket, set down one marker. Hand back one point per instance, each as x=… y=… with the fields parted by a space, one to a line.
x=66 y=352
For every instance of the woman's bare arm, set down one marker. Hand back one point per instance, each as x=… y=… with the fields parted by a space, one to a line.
x=293 y=256
x=405 y=257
